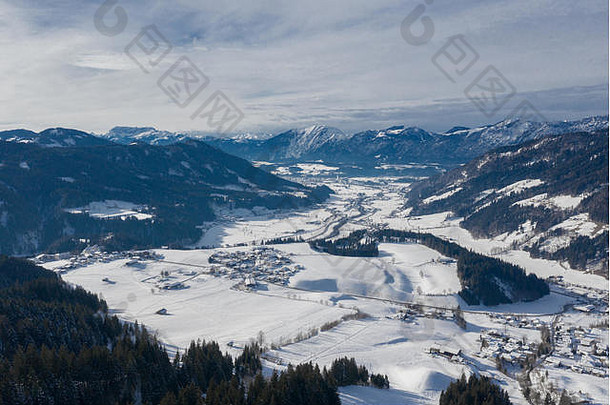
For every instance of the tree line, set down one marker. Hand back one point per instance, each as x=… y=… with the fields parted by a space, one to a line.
x=358 y=243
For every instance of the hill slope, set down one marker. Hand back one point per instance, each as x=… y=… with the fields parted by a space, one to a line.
x=126 y=195
x=547 y=196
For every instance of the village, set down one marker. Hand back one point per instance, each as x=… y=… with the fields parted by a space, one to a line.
x=248 y=266
x=93 y=255
x=580 y=349
x=258 y=264
x=505 y=348
x=577 y=349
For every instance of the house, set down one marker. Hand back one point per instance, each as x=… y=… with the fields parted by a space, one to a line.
x=584 y=308
x=250 y=282
x=588 y=342
x=554 y=362
x=445 y=351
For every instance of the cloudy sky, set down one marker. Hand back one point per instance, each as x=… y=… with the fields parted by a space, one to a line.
x=289 y=64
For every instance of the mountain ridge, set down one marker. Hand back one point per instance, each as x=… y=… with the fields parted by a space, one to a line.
x=406 y=144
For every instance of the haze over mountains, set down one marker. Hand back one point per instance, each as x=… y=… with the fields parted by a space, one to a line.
x=394 y=145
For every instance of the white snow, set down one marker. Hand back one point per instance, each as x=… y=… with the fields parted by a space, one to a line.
x=519 y=186
x=109 y=209
x=401 y=272
x=387 y=166
x=328 y=287
x=208 y=308
x=563 y=202
x=259 y=163
x=441 y=196
x=580 y=224
x=315 y=169
x=566 y=201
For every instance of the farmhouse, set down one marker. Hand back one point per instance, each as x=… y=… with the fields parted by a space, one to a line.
x=445 y=351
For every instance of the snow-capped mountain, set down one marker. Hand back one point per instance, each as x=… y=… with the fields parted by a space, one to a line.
x=515 y=131
x=457 y=146
x=394 y=145
x=400 y=144
x=292 y=145
x=149 y=135
x=297 y=143
x=52 y=137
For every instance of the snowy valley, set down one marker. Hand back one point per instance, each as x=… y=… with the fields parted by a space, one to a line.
x=253 y=277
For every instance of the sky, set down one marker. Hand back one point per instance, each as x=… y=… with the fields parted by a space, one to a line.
x=352 y=64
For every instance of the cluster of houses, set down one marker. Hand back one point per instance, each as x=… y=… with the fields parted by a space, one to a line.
x=259 y=263
x=580 y=350
x=518 y=321
x=412 y=311
x=94 y=254
x=495 y=344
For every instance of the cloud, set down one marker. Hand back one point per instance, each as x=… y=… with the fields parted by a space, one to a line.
x=287 y=64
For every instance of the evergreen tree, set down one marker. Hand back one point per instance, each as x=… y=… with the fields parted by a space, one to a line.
x=472 y=391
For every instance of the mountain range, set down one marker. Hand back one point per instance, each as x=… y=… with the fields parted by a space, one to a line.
x=393 y=145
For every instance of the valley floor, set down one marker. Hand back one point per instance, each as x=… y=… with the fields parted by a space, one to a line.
x=309 y=306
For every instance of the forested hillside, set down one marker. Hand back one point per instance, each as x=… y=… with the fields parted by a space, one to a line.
x=548 y=196
x=126 y=196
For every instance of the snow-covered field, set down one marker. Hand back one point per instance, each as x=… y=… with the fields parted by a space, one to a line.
x=401 y=272
x=519 y=186
x=207 y=309
x=559 y=201
x=112 y=209
x=395 y=348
